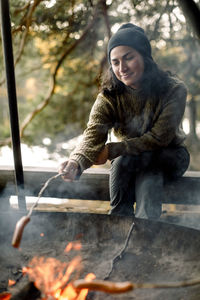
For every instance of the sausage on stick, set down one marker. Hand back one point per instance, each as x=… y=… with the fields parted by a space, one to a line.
x=122 y=287
x=104 y=286
x=19 y=228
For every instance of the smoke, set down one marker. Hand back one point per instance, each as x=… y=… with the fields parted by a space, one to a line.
x=184 y=215
x=6 y=190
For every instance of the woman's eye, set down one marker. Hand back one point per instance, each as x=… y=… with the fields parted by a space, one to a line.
x=115 y=63
x=129 y=57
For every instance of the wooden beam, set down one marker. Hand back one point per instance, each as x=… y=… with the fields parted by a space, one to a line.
x=94 y=185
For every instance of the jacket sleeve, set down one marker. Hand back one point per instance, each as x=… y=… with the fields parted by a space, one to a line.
x=95 y=135
x=164 y=130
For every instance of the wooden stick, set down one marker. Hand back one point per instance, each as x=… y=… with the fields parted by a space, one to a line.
x=122 y=251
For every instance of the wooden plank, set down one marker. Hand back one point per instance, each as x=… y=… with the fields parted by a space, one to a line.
x=185 y=190
x=94 y=185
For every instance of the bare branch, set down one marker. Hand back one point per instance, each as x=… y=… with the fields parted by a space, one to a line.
x=46 y=101
x=19 y=9
x=157 y=23
x=108 y=28
x=5 y=142
x=26 y=31
x=31 y=9
x=105 y=15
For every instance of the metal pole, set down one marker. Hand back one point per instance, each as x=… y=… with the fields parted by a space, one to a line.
x=12 y=99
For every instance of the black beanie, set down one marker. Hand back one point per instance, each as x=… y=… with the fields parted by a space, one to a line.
x=132 y=36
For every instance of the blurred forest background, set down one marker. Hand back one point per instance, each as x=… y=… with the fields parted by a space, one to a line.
x=60 y=54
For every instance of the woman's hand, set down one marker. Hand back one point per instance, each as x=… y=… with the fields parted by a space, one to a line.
x=70 y=170
x=102 y=157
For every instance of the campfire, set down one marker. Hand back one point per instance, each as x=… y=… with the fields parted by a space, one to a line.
x=59 y=280
x=53 y=278
x=148 y=262
x=56 y=280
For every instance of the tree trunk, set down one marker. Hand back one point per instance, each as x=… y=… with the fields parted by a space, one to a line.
x=192 y=119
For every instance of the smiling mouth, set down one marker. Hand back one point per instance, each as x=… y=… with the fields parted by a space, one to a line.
x=125 y=76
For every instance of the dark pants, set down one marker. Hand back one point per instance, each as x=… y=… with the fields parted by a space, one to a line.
x=140 y=179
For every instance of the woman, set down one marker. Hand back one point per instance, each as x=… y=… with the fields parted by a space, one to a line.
x=144 y=106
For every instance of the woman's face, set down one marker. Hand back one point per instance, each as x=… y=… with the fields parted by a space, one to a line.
x=127 y=65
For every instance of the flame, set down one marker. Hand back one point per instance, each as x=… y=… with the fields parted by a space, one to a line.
x=74 y=245
x=5 y=296
x=69 y=291
x=54 y=278
x=41 y=234
x=11 y=282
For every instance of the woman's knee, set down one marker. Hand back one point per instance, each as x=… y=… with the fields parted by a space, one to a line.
x=121 y=162
x=174 y=161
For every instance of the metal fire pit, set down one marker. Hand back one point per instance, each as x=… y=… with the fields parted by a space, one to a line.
x=157 y=252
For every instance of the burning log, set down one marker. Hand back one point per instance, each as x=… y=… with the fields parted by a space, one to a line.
x=28 y=292
x=5 y=296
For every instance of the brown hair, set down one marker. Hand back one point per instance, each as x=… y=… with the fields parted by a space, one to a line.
x=154 y=81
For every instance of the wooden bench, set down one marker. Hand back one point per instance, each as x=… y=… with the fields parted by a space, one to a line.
x=93 y=185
